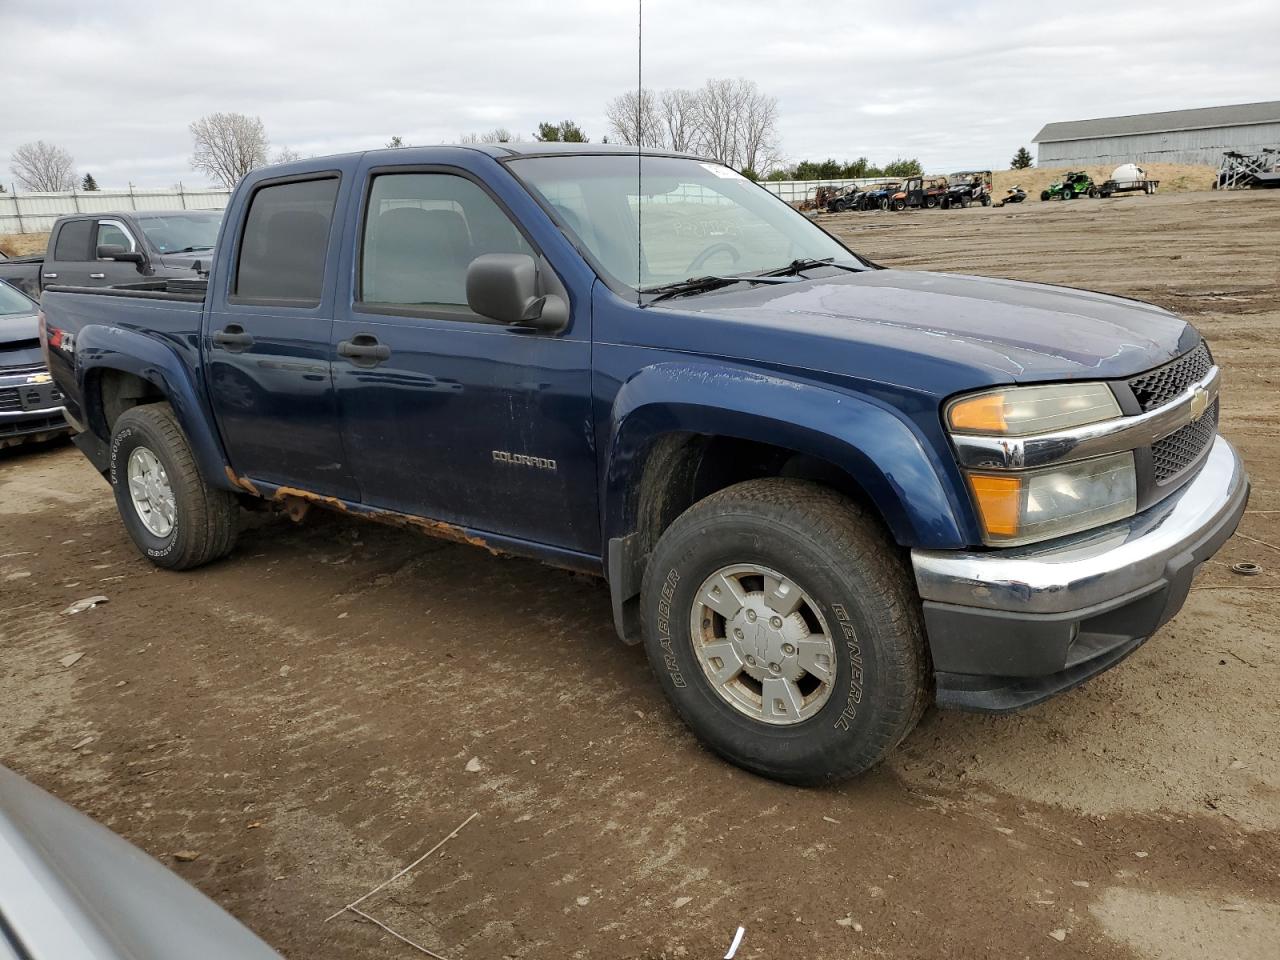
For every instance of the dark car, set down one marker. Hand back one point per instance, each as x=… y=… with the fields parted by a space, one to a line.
x=30 y=404
x=823 y=493
x=108 y=249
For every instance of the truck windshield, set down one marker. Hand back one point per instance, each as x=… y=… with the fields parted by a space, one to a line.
x=696 y=218
x=182 y=232
x=12 y=302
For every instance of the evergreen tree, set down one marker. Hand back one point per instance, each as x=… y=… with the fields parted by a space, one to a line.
x=88 y=184
x=1021 y=160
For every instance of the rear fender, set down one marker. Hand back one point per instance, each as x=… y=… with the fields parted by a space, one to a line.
x=99 y=349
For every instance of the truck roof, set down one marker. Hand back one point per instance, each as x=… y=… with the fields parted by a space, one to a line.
x=499 y=151
x=135 y=214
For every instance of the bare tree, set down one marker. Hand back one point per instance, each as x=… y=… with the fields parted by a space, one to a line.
x=228 y=145
x=43 y=166
x=286 y=155
x=633 y=117
x=679 y=115
x=732 y=121
x=758 y=129
x=496 y=135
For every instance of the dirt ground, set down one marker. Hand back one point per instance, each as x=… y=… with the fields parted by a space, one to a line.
x=319 y=710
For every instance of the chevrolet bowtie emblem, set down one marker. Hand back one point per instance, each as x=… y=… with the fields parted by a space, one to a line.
x=40 y=378
x=1199 y=403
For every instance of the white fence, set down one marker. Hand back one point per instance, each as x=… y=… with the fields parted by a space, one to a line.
x=35 y=212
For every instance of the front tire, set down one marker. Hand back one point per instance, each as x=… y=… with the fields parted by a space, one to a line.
x=176 y=520
x=785 y=630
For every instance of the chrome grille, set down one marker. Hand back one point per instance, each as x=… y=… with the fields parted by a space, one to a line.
x=1180 y=449
x=9 y=400
x=1157 y=387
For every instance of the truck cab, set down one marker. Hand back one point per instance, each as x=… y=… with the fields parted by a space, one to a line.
x=823 y=494
x=112 y=249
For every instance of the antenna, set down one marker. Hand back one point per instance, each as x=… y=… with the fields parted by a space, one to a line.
x=639 y=141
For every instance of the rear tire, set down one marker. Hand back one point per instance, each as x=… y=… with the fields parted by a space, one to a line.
x=709 y=607
x=176 y=520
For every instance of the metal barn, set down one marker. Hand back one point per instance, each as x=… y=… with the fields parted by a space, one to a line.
x=1174 y=136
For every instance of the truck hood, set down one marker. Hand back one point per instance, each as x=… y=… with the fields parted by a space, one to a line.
x=18 y=327
x=1005 y=330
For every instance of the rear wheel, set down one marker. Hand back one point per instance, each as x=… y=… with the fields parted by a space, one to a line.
x=1094 y=193
x=899 y=205
x=176 y=520
x=784 y=628
x=930 y=202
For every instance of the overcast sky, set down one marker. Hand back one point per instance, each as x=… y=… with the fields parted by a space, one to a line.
x=956 y=84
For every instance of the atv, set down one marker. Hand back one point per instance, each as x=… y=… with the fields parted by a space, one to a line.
x=851 y=199
x=877 y=197
x=1074 y=184
x=966 y=188
x=917 y=192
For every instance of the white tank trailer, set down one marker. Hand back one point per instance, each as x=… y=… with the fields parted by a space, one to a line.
x=1128 y=178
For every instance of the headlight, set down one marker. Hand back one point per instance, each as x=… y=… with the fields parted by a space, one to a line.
x=1020 y=507
x=1019 y=411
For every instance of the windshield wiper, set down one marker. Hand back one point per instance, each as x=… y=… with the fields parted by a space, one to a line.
x=712 y=282
x=192 y=249
x=808 y=263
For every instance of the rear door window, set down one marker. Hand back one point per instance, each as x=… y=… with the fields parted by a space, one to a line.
x=73 y=241
x=285 y=241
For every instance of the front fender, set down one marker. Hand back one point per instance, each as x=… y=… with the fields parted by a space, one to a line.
x=877 y=446
x=101 y=348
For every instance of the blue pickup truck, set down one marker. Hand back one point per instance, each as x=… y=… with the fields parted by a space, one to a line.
x=822 y=493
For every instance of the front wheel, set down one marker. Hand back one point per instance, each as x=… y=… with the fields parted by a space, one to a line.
x=176 y=520
x=1044 y=195
x=784 y=628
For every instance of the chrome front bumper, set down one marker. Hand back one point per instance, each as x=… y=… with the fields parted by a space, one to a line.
x=1058 y=612
x=29 y=404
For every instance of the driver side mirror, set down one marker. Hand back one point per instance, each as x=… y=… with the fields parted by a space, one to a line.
x=114 y=251
x=504 y=287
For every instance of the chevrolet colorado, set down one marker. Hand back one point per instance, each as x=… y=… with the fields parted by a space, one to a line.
x=822 y=493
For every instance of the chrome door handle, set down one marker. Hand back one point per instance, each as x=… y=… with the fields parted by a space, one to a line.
x=97 y=276
x=51 y=276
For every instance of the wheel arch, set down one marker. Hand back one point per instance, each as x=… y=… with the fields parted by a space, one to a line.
x=681 y=432
x=124 y=369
